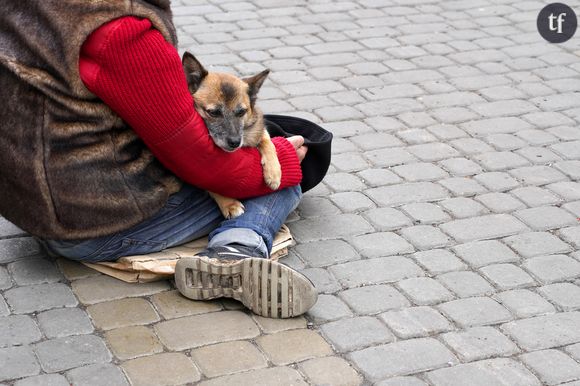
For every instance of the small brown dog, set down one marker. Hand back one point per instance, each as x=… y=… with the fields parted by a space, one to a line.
x=227 y=104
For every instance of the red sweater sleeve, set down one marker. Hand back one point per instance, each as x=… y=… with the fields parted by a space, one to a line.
x=131 y=67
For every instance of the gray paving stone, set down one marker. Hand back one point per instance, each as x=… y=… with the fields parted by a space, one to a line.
x=571 y=235
x=540 y=156
x=381 y=244
x=479 y=343
x=329 y=308
x=415 y=322
x=463 y=186
x=476 y=311
x=416 y=136
x=552 y=366
x=462 y=207
x=373 y=271
x=542 y=332
x=98 y=375
x=4 y=310
x=34 y=271
x=564 y=295
x=379 y=177
x=524 y=303
x=498 y=371
x=538 y=175
x=402 y=358
x=329 y=227
x=373 y=299
x=573 y=207
x=507 y=276
x=402 y=381
x=466 y=283
x=500 y=202
x=420 y=171
x=44 y=380
x=546 y=218
x=535 y=196
x=104 y=288
x=424 y=291
x=425 y=237
x=536 y=243
x=553 y=268
x=497 y=181
x=5 y=278
x=322 y=279
x=387 y=219
x=62 y=322
x=18 y=330
x=569 y=168
x=65 y=353
x=39 y=297
x=407 y=193
x=344 y=182
x=389 y=157
x=311 y=206
x=356 y=333
x=349 y=202
x=9 y=229
x=460 y=166
x=326 y=252
x=471 y=146
x=438 y=261
x=17 y=362
x=425 y=213
x=505 y=142
x=484 y=127
x=568 y=190
x=430 y=152
x=500 y=160
x=483 y=227
x=17 y=248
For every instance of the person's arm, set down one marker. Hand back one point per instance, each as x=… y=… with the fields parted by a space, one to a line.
x=129 y=65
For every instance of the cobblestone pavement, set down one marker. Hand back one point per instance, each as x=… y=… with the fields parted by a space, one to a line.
x=444 y=241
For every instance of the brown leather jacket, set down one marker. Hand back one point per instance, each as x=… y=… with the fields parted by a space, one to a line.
x=70 y=168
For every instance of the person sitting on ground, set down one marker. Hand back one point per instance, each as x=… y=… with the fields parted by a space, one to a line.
x=103 y=155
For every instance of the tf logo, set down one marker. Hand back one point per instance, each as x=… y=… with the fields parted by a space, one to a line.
x=557 y=22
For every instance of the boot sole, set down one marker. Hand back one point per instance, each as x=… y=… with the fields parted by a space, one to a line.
x=266 y=287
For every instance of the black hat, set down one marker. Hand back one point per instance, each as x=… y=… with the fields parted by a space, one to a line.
x=317 y=160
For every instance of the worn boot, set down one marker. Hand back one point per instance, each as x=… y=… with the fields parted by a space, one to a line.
x=266 y=287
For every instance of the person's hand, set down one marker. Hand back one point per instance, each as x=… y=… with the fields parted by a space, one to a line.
x=298 y=142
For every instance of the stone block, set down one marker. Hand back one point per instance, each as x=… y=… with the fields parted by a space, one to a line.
x=476 y=311
x=227 y=358
x=210 y=328
x=132 y=342
x=161 y=369
x=402 y=358
x=298 y=346
x=416 y=322
x=122 y=313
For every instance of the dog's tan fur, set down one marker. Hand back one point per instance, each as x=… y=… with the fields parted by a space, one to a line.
x=229 y=94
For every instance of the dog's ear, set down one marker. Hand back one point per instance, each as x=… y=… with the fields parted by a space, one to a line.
x=194 y=71
x=254 y=83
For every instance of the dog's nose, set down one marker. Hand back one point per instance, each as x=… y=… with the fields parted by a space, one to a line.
x=233 y=143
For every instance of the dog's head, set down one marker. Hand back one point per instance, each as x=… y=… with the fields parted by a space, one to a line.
x=226 y=103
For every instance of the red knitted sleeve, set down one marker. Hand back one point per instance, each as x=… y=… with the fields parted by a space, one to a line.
x=139 y=75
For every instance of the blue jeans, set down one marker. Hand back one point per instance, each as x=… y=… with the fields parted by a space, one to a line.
x=188 y=215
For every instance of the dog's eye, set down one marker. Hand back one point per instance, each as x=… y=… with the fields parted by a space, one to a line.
x=241 y=112
x=214 y=113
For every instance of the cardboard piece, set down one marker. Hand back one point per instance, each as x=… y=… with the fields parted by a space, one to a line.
x=161 y=265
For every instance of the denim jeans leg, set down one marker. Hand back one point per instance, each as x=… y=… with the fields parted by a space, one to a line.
x=188 y=214
x=260 y=222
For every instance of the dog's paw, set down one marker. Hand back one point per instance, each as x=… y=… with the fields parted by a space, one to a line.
x=272 y=173
x=233 y=209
